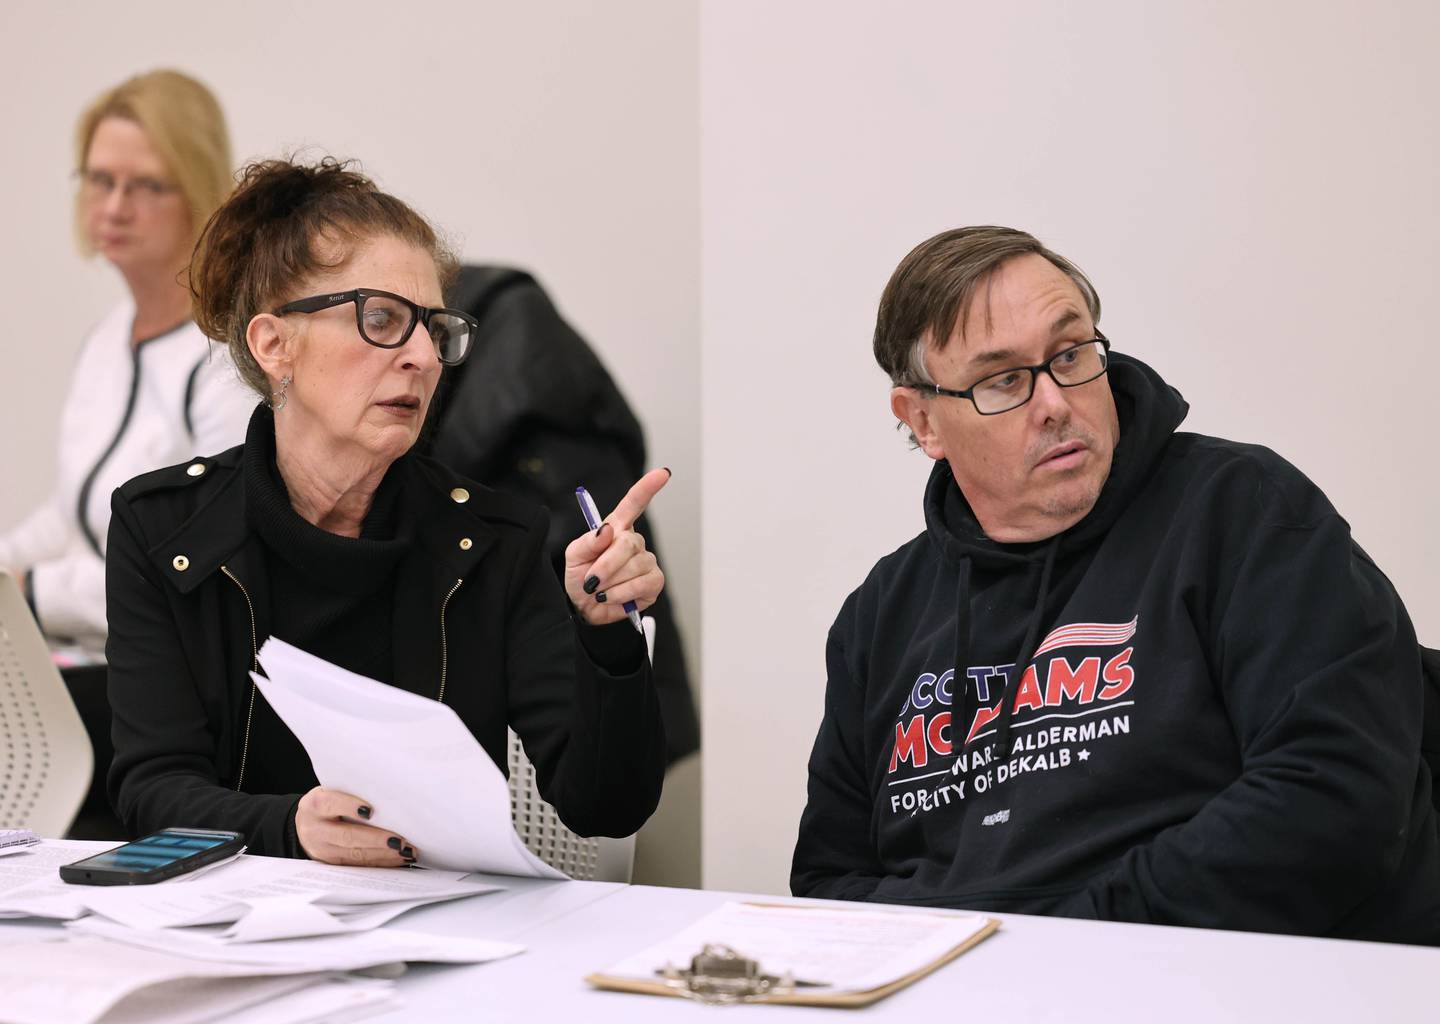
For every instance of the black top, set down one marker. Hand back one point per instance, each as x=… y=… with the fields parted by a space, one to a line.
x=204 y=557
x=332 y=596
x=1215 y=721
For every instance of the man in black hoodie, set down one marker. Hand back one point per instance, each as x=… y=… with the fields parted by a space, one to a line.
x=1126 y=673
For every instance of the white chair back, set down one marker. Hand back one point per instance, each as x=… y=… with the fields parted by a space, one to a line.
x=45 y=755
x=597 y=860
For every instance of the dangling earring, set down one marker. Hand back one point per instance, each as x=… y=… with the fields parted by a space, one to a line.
x=279 y=398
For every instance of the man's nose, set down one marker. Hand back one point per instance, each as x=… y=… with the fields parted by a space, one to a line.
x=1049 y=403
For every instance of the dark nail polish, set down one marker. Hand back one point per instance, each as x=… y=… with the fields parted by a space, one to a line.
x=363 y=811
x=591 y=584
x=600 y=597
x=408 y=853
x=667 y=470
x=393 y=842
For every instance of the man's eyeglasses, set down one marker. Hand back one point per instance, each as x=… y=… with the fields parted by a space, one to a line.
x=1012 y=388
x=97 y=185
x=387 y=320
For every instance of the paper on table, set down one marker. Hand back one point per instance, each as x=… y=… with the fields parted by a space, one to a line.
x=79 y=979
x=325 y=953
x=75 y=980
x=331 y=998
x=451 y=801
x=290 y=917
x=190 y=1000
x=229 y=894
x=844 y=950
x=30 y=883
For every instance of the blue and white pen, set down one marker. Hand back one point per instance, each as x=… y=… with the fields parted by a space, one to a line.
x=592 y=518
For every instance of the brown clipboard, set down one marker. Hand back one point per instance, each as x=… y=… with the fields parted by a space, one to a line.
x=795 y=997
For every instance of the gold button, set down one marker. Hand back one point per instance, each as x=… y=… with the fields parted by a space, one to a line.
x=180 y=562
x=466 y=544
x=461 y=495
x=196 y=469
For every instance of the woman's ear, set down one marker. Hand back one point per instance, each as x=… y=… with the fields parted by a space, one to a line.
x=272 y=344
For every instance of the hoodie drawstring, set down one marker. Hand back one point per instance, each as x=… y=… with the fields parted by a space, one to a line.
x=1022 y=659
x=971 y=702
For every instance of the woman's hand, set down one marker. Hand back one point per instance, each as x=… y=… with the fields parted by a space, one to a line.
x=327 y=833
x=610 y=566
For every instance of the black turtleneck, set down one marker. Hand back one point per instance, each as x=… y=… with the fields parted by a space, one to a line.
x=329 y=595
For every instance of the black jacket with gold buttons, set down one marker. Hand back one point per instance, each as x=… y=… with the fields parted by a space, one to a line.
x=480 y=621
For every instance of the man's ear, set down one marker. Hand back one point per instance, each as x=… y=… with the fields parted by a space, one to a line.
x=913 y=409
x=272 y=344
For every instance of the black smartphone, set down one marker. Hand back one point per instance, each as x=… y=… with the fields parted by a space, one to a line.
x=156 y=857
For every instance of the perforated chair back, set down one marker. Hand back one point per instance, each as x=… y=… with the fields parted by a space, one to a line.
x=591 y=860
x=45 y=755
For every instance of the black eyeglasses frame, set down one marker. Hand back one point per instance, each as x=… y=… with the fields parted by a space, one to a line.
x=421 y=315
x=935 y=389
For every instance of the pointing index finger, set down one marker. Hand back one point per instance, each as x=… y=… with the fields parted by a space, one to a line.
x=637 y=499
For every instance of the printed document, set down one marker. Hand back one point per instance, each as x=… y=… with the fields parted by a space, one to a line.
x=449 y=801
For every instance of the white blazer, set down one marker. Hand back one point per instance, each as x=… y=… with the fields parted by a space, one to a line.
x=129 y=410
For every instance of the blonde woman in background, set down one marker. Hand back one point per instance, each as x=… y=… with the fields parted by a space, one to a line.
x=153 y=162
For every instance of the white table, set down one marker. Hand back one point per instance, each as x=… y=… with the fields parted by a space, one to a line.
x=1033 y=969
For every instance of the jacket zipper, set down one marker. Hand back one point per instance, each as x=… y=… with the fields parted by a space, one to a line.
x=255 y=661
x=444 y=651
x=82 y=503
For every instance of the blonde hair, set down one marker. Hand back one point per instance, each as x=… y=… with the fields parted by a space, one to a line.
x=184 y=122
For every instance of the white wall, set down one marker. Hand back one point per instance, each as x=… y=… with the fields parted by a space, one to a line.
x=558 y=136
x=1250 y=185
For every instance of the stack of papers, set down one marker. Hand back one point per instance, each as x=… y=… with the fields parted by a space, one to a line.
x=85 y=979
x=257 y=935
x=451 y=803
x=252 y=899
x=266 y=939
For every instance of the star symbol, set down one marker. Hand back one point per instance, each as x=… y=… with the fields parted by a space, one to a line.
x=1084 y=755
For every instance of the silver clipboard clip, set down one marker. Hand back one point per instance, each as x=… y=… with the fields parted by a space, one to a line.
x=719 y=976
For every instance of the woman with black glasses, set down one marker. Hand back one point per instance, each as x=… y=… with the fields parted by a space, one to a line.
x=322 y=530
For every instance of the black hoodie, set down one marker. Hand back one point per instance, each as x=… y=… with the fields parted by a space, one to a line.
x=1218 y=724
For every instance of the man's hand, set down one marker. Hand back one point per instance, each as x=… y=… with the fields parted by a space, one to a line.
x=325 y=826
x=610 y=566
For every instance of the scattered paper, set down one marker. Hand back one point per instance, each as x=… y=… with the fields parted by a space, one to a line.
x=834 y=951
x=451 y=802
x=187 y=1000
x=328 y=999
x=294 y=897
x=68 y=980
x=325 y=953
x=30 y=883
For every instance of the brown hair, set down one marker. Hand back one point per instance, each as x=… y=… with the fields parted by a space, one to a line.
x=183 y=121
x=933 y=288
x=281 y=227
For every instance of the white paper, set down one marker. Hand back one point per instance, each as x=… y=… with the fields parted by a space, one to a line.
x=289 y=917
x=284 y=888
x=336 y=999
x=195 y=1000
x=842 y=950
x=450 y=802
x=30 y=884
x=73 y=980
x=350 y=952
